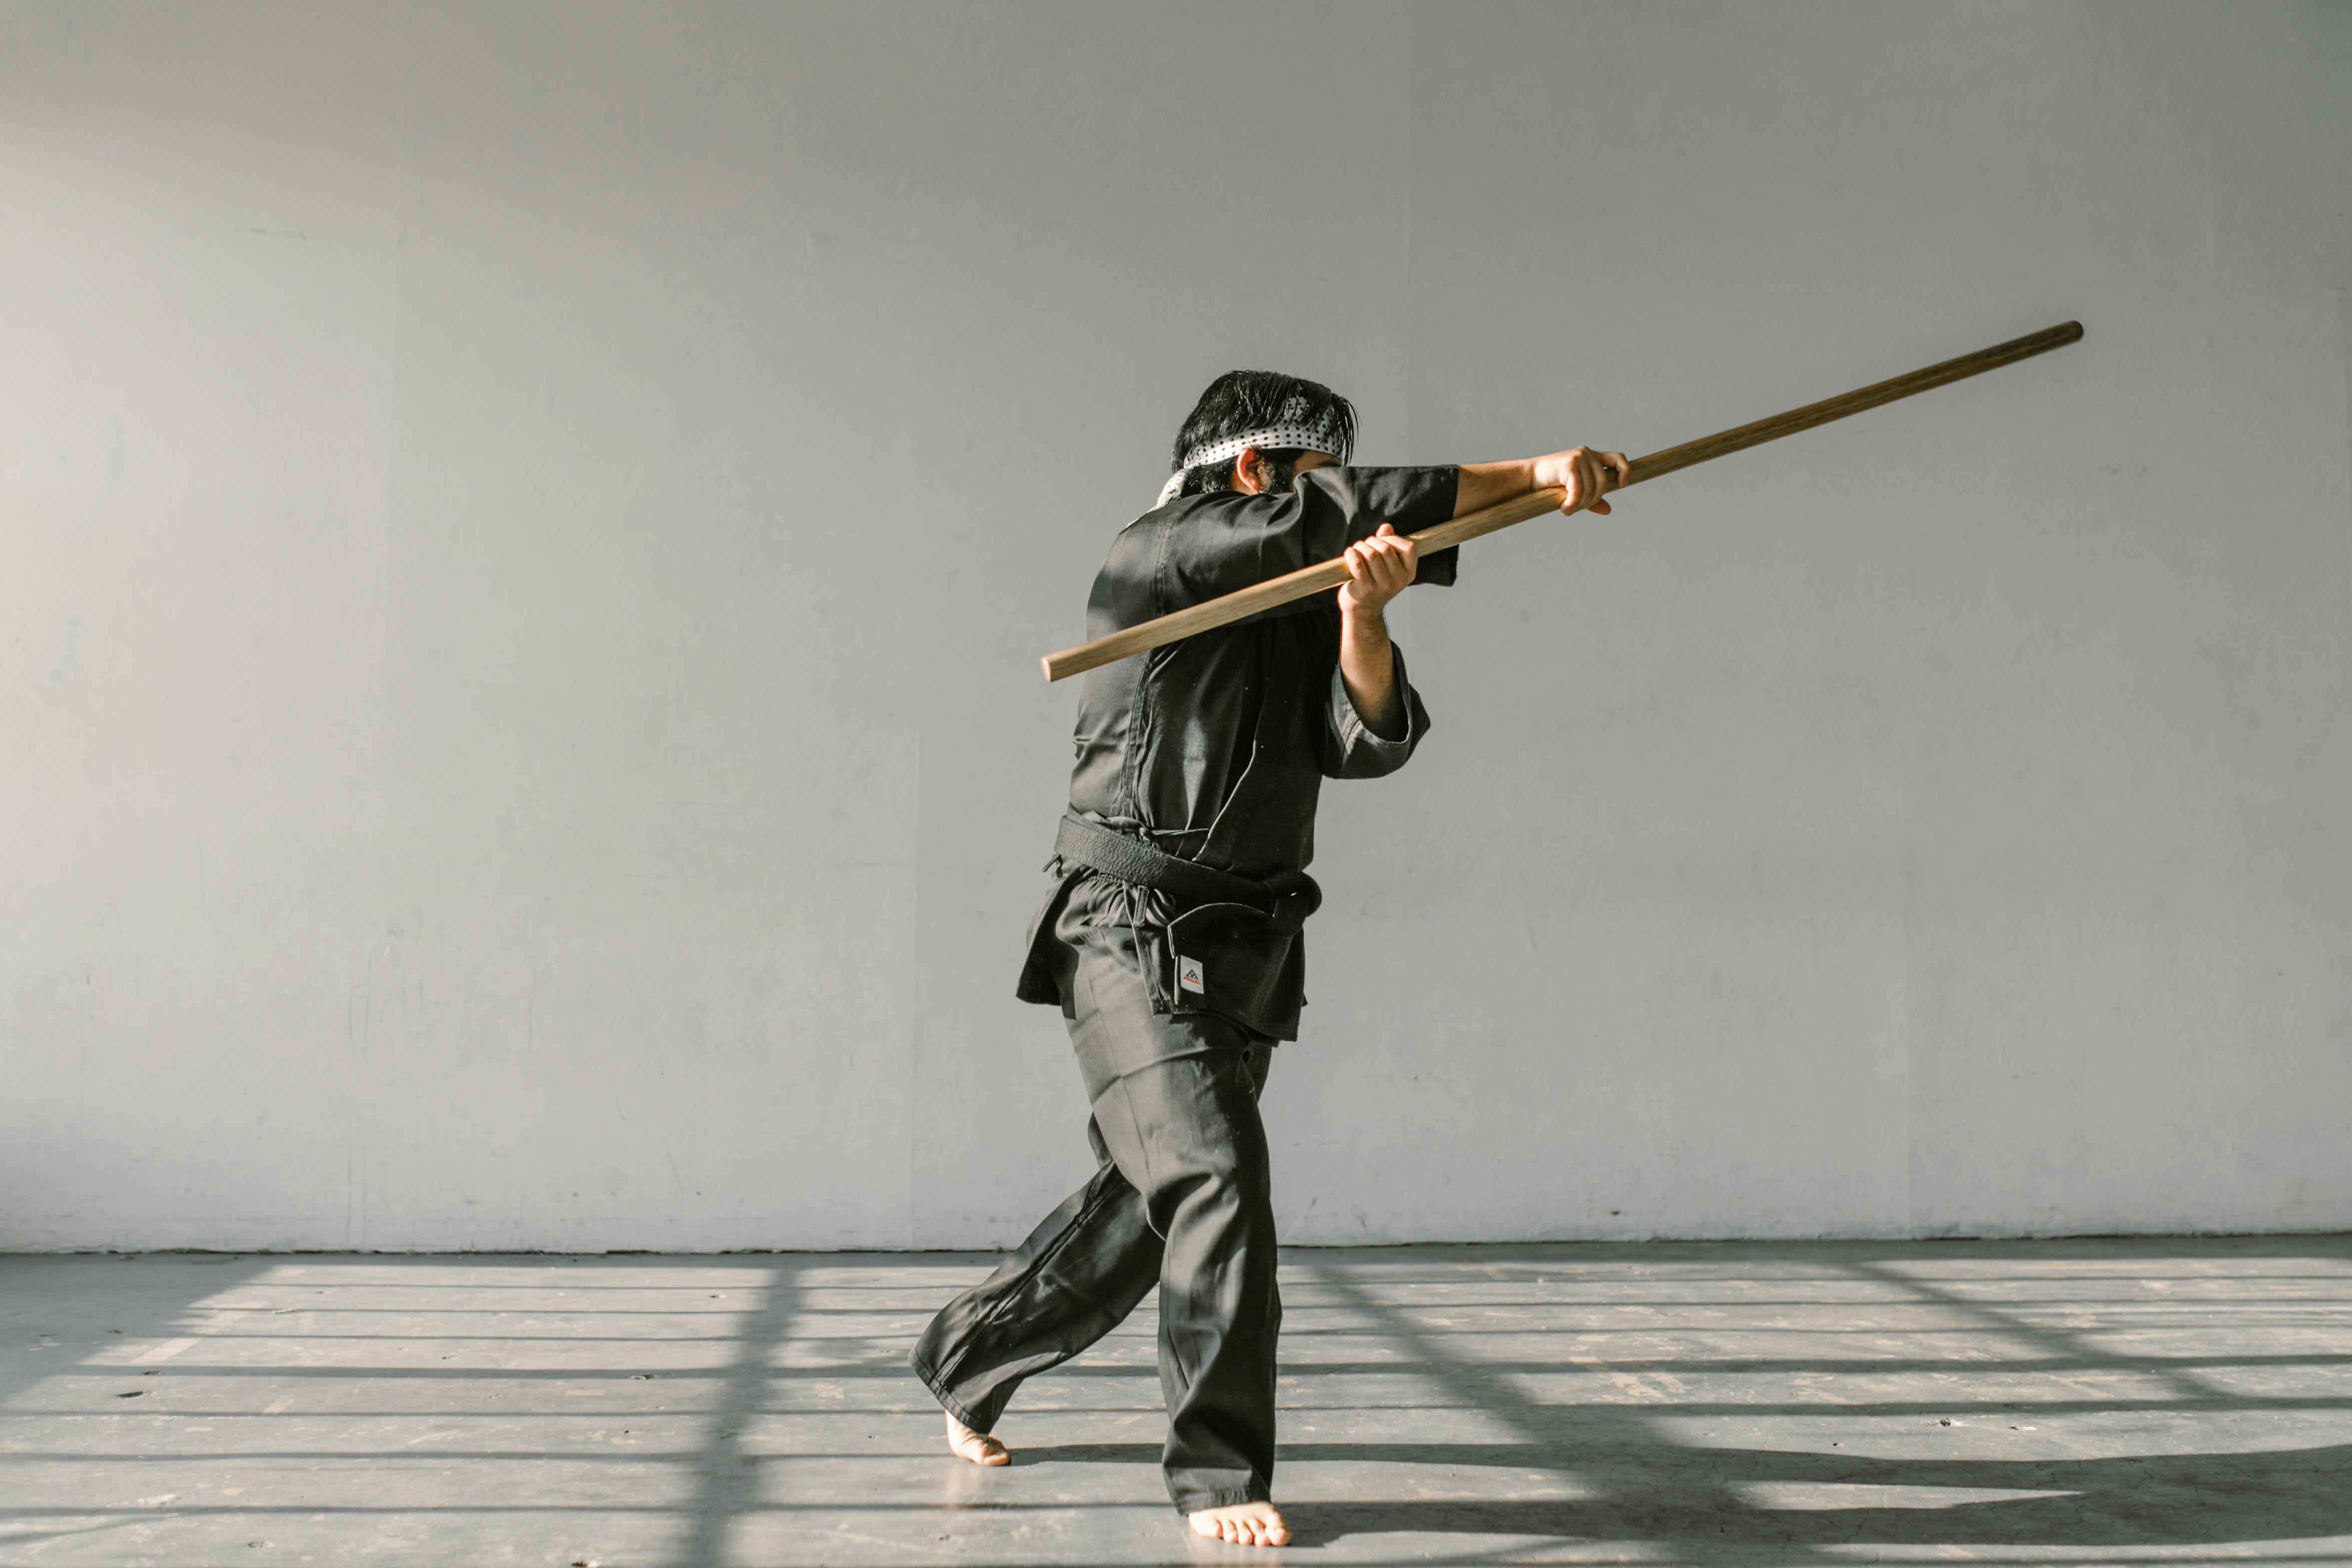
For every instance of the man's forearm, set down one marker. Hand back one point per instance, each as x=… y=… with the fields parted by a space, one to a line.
x=1481 y=484
x=1583 y=476
x=1368 y=669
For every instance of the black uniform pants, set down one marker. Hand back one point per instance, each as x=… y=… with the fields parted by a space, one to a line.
x=1180 y=1199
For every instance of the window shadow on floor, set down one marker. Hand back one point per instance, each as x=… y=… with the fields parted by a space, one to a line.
x=669 y=1411
x=185 y=1407
x=1713 y=1503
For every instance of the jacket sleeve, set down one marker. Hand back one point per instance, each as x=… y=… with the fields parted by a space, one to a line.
x=1213 y=545
x=1350 y=750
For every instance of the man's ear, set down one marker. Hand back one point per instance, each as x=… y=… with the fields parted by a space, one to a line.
x=1249 y=472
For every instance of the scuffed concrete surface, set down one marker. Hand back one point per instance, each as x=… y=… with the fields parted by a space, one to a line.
x=2076 y=1402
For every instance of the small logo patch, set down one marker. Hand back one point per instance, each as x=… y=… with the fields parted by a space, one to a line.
x=1188 y=975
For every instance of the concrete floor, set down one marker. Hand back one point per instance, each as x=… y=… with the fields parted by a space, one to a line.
x=2078 y=1402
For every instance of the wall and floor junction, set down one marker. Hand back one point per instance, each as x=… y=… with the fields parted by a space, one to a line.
x=525 y=533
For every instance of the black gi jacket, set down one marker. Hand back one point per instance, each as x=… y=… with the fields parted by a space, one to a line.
x=1214 y=749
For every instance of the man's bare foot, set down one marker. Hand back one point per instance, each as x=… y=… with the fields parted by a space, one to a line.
x=1244 y=1524
x=978 y=1447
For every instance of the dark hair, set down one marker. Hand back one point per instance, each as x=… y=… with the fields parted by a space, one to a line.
x=1241 y=401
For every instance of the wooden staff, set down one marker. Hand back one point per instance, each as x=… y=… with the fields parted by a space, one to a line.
x=1328 y=574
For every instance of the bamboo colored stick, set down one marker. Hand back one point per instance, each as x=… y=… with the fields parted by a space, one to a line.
x=1328 y=574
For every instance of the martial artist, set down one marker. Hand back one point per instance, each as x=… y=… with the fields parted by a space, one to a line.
x=1170 y=935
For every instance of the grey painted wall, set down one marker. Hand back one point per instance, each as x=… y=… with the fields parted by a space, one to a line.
x=525 y=532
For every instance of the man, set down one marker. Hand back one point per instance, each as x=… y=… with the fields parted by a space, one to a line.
x=1170 y=934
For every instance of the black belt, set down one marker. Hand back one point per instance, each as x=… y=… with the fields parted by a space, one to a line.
x=1286 y=898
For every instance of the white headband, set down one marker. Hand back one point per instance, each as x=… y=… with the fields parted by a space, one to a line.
x=1293 y=429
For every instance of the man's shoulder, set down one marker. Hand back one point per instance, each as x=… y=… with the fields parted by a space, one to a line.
x=1141 y=542
x=1177 y=509
x=1123 y=587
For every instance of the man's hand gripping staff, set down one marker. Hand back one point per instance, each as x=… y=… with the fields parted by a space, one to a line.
x=1497 y=495
x=1379 y=568
x=1582 y=476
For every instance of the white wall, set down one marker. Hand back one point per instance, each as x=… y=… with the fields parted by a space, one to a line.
x=525 y=532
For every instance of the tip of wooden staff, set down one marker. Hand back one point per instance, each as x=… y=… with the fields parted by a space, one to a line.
x=1046 y=667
